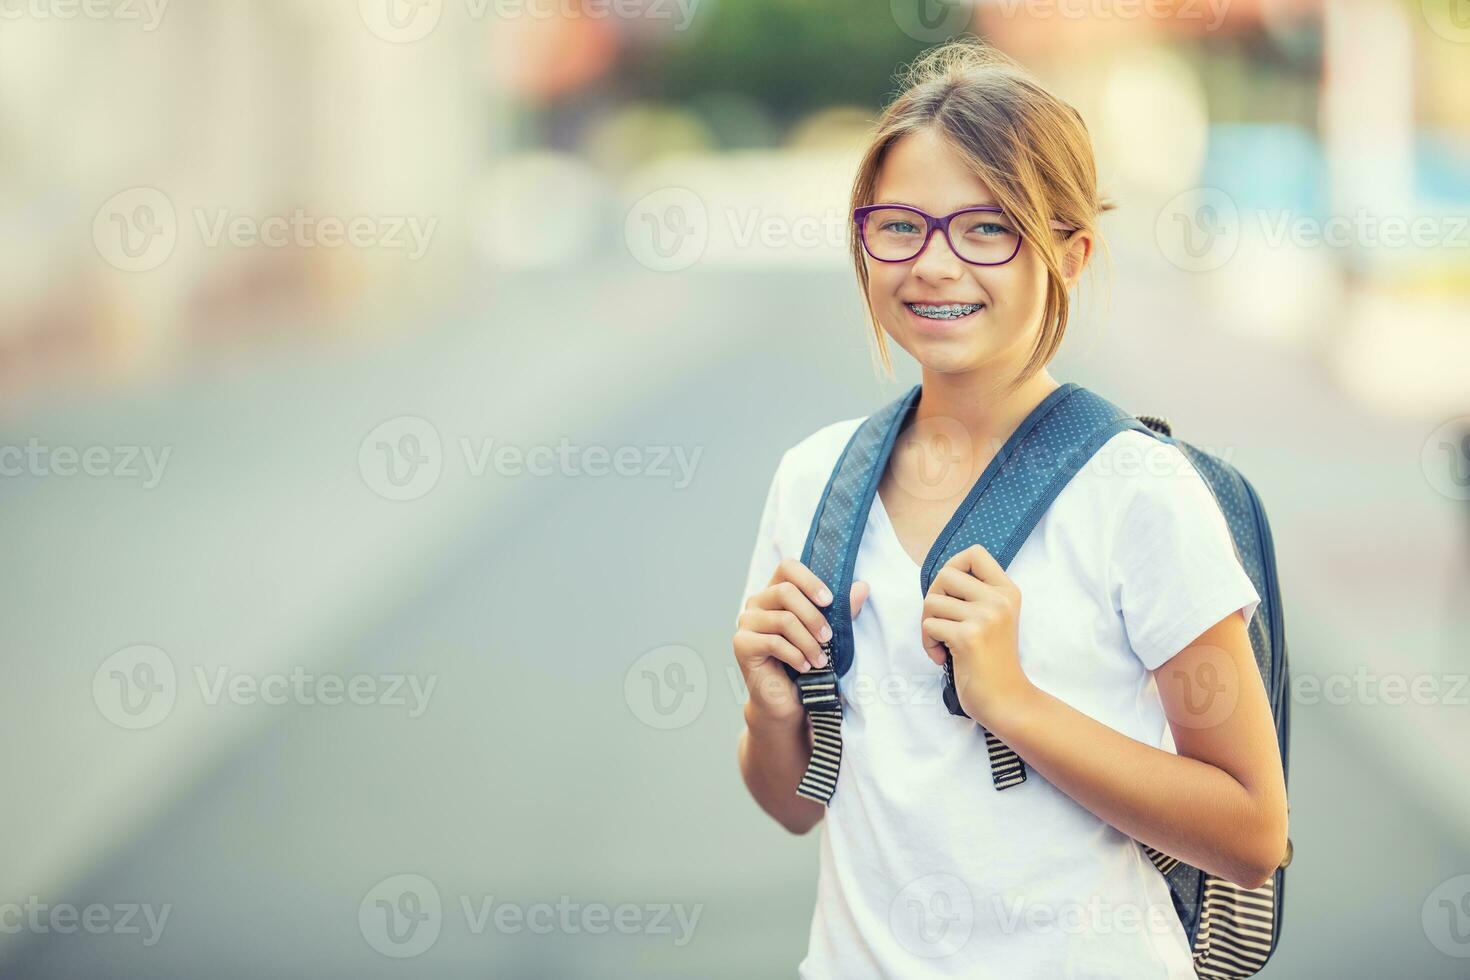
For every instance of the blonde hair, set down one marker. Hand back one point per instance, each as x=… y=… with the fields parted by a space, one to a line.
x=1031 y=148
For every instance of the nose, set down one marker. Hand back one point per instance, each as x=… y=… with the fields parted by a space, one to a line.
x=937 y=261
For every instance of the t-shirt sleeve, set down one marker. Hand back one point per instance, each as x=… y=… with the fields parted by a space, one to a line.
x=766 y=554
x=1174 y=569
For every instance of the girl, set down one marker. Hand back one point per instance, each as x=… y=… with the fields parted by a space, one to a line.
x=1112 y=655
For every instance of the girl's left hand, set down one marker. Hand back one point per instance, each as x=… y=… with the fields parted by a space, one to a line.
x=975 y=609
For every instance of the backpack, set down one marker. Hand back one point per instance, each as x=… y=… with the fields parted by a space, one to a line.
x=1232 y=931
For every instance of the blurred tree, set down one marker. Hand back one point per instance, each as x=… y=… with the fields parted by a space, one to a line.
x=790 y=56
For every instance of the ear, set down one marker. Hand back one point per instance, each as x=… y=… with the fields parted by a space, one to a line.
x=1074 y=259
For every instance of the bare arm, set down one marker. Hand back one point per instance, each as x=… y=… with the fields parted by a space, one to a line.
x=773 y=758
x=1220 y=804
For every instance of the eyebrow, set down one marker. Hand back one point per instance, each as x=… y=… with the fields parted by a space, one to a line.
x=962 y=207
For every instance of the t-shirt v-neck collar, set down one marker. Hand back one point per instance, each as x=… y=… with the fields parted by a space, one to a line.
x=881 y=512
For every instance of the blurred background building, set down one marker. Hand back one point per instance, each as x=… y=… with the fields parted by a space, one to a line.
x=278 y=280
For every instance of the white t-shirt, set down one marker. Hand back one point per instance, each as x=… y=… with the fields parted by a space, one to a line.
x=926 y=870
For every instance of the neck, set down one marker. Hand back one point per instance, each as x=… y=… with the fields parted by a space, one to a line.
x=981 y=404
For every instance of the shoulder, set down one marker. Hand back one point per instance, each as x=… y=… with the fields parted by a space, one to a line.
x=800 y=479
x=1138 y=496
x=1154 y=513
x=808 y=463
x=1132 y=470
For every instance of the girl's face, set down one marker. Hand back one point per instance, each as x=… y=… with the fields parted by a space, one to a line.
x=921 y=170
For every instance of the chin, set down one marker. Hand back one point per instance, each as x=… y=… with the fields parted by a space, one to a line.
x=946 y=358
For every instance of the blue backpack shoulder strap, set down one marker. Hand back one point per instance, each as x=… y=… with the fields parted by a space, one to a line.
x=1040 y=458
x=837 y=525
x=1045 y=451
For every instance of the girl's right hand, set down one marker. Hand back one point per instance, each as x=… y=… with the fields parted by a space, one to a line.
x=782 y=624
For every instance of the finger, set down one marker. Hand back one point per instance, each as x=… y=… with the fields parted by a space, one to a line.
x=786 y=596
x=956 y=582
x=858 y=596
x=981 y=564
x=759 y=646
x=948 y=607
x=784 y=622
x=938 y=633
x=804 y=579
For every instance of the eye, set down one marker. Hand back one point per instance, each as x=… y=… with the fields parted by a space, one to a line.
x=899 y=226
x=987 y=228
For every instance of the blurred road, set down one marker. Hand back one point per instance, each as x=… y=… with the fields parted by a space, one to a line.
x=528 y=777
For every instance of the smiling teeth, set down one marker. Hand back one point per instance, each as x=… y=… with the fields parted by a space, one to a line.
x=947 y=311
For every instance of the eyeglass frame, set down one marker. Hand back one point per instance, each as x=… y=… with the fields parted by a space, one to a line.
x=859 y=215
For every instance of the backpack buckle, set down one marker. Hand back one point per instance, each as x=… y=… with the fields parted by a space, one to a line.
x=951 y=695
x=818 y=688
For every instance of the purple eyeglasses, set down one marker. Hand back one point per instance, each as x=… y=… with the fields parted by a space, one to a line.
x=898 y=233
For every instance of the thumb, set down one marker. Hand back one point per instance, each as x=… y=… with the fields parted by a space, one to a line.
x=858 y=596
